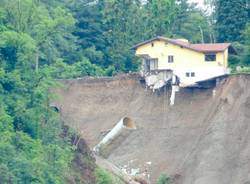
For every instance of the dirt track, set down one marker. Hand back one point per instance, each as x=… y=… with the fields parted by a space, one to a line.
x=202 y=139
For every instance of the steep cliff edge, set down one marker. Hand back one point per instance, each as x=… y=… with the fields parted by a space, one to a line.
x=204 y=138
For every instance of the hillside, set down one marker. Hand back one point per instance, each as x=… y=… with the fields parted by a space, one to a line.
x=203 y=139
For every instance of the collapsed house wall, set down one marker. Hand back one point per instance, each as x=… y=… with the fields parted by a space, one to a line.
x=203 y=139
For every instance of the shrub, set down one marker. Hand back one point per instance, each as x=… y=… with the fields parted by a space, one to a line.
x=103 y=176
x=163 y=179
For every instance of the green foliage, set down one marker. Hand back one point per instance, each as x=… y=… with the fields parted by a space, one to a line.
x=104 y=31
x=163 y=179
x=61 y=70
x=26 y=160
x=32 y=150
x=108 y=29
x=5 y=121
x=94 y=55
x=191 y=23
x=17 y=50
x=110 y=71
x=231 y=18
x=119 y=35
x=161 y=15
x=242 y=58
x=44 y=40
x=32 y=147
x=236 y=59
x=246 y=53
x=50 y=28
x=103 y=177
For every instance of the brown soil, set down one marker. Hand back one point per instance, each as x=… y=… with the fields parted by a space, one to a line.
x=83 y=164
x=201 y=139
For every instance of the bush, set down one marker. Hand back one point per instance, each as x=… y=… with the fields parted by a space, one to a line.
x=110 y=71
x=103 y=176
x=163 y=179
x=62 y=70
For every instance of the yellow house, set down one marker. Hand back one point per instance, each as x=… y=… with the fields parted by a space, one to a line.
x=190 y=63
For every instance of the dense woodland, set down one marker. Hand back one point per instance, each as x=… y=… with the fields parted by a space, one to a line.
x=45 y=40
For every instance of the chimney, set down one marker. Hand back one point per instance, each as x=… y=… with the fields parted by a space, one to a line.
x=182 y=40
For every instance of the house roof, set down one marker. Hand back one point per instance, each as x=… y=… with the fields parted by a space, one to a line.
x=212 y=47
x=205 y=48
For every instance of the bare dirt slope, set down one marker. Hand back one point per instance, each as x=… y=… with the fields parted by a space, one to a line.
x=202 y=139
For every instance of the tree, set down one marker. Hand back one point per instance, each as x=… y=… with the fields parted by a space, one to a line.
x=191 y=23
x=90 y=29
x=123 y=30
x=32 y=149
x=26 y=160
x=50 y=28
x=246 y=53
x=160 y=16
x=17 y=50
x=231 y=18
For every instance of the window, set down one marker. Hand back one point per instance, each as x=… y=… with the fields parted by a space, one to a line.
x=147 y=65
x=170 y=59
x=190 y=74
x=210 y=57
x=153 y=64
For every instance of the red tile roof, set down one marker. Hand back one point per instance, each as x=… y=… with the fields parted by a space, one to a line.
x=205 y=48
x=215 y=47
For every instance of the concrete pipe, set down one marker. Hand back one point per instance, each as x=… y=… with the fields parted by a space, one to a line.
x=115 y=137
